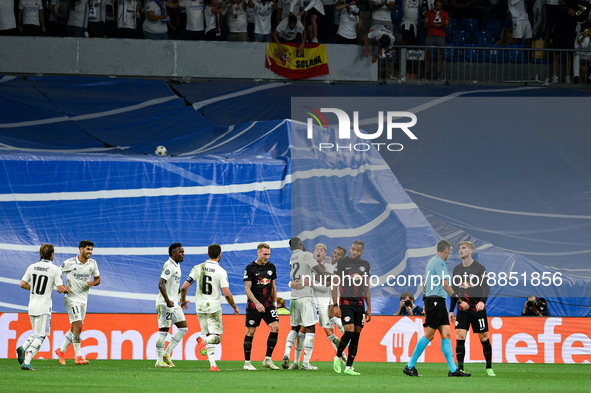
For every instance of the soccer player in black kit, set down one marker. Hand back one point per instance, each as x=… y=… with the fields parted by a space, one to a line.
x=470 y=283
x=259 y=286
x=353 y=273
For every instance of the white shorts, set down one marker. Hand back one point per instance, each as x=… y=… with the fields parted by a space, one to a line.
x=41 y=324
x=522 y=29
x=323 y=304
x=211 y=323
x=303 y=312
x=168 y=316
x=76 y=311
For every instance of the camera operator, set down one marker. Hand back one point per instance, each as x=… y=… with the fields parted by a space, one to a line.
x=535 y=307
x=407 y=305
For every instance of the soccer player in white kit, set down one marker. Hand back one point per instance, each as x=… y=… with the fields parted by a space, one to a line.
x=303 y=311
x=78 y=271
x=210 y=277
x=39 y=279
x=169 y=311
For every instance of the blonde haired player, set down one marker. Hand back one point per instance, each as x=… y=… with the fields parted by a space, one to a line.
x=210 y=277
x=78 y=271
x=39 y=279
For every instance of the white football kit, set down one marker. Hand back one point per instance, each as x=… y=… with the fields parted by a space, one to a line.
x=171 y=272
x=77 y=276
x=303 y=310
x=323 y=294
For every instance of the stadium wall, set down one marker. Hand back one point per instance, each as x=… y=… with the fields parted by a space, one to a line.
x=165 y=59
x=384 y=339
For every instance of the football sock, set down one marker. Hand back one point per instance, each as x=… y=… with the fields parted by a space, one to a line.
x=308 y=347
x=76 y=343
x=67 y=341
x=460 y=352
x=334 y=341
x=271 y=342
x=160 y=343
x=421 y=345
x=247 y=347
x=347 y=337
x=299 y=347
x=291 y=337
x=211 y=353
x=34 y=348
x=338 y=323
x=212 y=339
x=447 y=352
x=487 y=350
x=353 y=345
x=27 y=343
x=176 y=339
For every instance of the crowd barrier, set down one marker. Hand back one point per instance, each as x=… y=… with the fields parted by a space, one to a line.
x=384 y=339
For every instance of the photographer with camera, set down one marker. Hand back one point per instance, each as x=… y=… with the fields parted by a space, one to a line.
x=407 y=305
x=535 y=307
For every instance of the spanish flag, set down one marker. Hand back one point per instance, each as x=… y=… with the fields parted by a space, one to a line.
x=313 y=63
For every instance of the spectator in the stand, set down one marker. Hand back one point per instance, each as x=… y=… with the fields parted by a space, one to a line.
x=383 y=37
x=250 y=21
x=97 y=11
x=407 y=305
x=564 y=38
x=157 y=21
x=552 y=10
x=127 y=14
x=436 y=22
x=290 y=30
x=314 y=11
x=349 y=21
x=7 y=18
x=380 y=13
x=263 y=10
x=286 y=8
x=538 y=19
x=30 y=19
x=582 y=41
x=236 y=18
x=214 y=9
x=410 y=22
x=426 y=5
x=521 y=25
x=535 y=307
x=78 y=18
x=281 y=308
x=56 y=23
x=327 y=21
x=195 y=24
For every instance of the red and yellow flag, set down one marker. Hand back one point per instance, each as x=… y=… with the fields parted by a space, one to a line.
x=313 y=63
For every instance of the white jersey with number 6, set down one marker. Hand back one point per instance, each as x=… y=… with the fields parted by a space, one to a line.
x=210 y=278
x=300 y=266
x=171 y=272
x=42 y=276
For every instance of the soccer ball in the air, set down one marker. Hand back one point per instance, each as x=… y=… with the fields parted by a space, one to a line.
x=160 y=151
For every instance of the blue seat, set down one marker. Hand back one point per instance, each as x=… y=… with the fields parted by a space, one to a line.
x=453 y=55
x=453 y=26
x=473 y=55
x=458 y=38
x=470 y=25
x=516 y=56
x=396 y=14
x=493 y=26
x=482 y=38
x=496 y=55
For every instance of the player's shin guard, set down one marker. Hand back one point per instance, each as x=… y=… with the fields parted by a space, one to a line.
x=28 y=342
x=76 y=343
x=176 y=339
x=345 y=340
x=211 y=354
x=448 y=353
x=291 y=337
x=213 y=339
x=160 y=343
x=419 y=349
x=308 y=347
x=299 y=347
x=34 y=348
x=247 y=347
x=338 y=323
x=69 y=337
x=271 y=342
x=353 y=345
x=487 y=350
x=460 y=353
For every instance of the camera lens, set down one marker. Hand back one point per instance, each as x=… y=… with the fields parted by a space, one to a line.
x=407 y=303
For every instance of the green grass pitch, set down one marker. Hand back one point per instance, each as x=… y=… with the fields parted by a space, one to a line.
x=194 y=376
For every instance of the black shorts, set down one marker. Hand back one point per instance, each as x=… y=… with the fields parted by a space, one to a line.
x=436 y=312
x=478 y=320
x=353 y=314
x=253 y=317
x=409 y=35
